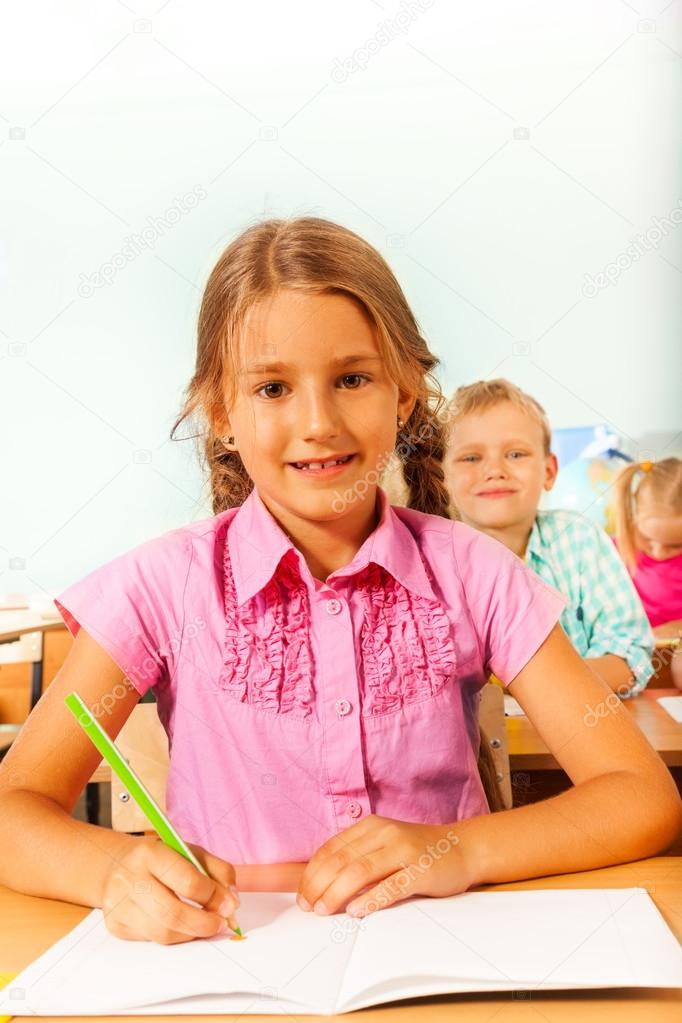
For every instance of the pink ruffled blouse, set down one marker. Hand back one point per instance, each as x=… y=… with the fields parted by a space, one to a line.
x=294 y=707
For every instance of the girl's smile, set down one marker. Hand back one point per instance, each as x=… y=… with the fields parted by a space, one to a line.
x=323 y=467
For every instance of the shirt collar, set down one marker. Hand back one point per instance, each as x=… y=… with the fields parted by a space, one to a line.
x=257 y=544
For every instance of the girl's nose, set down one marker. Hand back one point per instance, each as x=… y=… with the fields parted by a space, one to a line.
x=318 y=415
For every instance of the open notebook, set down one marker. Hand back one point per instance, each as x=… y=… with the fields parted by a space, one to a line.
x=295 y=962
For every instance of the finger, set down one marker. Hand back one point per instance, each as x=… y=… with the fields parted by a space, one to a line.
x=183 y=878
x=225 y=899
x=220 y=870
x=333 y=856
x=139 y=926
x=147 y=927
x=339 y=841
x=167 y=909
x=392 y=889
x=350 y=874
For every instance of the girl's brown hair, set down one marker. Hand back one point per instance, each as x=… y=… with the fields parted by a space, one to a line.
x=662 y=484
x=315 y=256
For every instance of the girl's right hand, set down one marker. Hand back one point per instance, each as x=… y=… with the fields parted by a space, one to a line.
x=141 y=898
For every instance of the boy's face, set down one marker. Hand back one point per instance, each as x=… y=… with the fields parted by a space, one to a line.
x=496 y=467
x=296 y=401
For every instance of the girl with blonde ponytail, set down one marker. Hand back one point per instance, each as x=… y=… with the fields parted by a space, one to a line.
x=649 y=538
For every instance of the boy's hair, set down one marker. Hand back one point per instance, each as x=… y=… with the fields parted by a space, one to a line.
x=661 y=482
x=486 y=394
x=313 y=256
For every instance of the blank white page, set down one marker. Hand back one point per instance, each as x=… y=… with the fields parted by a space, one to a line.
x=538 y=939
x=288 y=959
x=673 y=705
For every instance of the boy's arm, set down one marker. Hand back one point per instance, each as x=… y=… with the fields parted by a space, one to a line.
x=620 y=641
x=613 y=670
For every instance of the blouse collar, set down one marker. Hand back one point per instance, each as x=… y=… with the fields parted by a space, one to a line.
x=257 y=544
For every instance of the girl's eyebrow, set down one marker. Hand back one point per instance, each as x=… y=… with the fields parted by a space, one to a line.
x=281 y=367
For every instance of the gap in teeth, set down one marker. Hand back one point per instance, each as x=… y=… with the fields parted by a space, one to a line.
x=323 y=465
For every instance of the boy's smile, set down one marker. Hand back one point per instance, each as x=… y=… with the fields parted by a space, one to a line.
x=496 y=469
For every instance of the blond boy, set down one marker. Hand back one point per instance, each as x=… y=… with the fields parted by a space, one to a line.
x=498 y=461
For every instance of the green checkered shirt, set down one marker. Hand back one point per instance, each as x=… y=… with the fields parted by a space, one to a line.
x=604 y=614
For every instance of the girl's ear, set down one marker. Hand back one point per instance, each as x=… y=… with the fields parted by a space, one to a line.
x=551 y=470
x=221 y=424
x=406 y=405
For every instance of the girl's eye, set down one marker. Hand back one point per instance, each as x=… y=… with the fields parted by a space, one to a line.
x=517 y=454
x=468 y=458
x=348 y=376
x=265 y=387
x=354 y=376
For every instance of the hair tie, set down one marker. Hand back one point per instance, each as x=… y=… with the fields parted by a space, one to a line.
x=646 y=466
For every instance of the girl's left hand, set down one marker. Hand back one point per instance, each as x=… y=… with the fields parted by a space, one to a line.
x=406 y=859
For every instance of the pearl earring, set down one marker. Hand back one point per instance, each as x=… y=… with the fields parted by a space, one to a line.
x=400 y=423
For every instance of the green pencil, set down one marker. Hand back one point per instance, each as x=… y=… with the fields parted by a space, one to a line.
x=137 y=790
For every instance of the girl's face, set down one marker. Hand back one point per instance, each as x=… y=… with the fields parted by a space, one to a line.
x=657 y=532
x=312 y=387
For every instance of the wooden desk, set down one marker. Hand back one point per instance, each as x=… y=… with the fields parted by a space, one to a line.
x=31 y=925
x=17 y=623
x=527 y=751
x=14 y=624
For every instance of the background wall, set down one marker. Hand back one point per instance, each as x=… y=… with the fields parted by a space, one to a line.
x=517 y=164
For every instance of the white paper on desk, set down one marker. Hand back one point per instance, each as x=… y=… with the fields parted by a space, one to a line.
x=673 y=705
x=294 y=962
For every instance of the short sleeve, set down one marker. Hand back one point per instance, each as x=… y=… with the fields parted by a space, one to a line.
x=132 y=607
x=512 y=609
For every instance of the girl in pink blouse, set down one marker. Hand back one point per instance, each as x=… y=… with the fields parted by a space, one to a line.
x=316 y=654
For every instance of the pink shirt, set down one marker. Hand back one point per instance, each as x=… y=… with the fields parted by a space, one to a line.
x=295 y=707
x=659 y=584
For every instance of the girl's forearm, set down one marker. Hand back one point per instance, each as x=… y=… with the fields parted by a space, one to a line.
x=45 y=852
x=610 y=819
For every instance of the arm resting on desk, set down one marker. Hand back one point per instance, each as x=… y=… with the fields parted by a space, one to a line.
x=624 y=804
x=44 y=851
